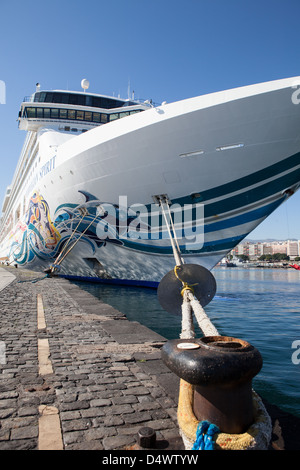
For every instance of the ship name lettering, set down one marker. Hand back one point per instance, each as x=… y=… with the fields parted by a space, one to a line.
x=49 y=166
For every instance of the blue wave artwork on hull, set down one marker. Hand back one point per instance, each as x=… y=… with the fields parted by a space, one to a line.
x=93 y=222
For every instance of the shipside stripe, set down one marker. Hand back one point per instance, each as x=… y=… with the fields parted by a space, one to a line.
x=246 y=181
x=244 y=218
x=252 y=195
x=208 y=247
x=217 y=244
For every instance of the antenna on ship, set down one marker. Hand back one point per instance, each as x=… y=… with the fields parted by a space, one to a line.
x=128 y=90
x=85 y=84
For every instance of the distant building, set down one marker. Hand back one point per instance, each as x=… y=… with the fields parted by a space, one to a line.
x=255 y=250
x=280 y=247
x=292 y=249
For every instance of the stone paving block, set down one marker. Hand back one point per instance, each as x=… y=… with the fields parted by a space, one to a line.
x=27 y=432
x=118 y=442
x=100 y=402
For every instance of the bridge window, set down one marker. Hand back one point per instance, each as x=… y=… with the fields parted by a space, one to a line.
x=96 y=117
x=63 y=113
x=54 y=113
x=31 y=112
x=73 y=115
x=39 y=113
x=80 y=115
x=87 y=116
x=46 y=113
x=114 y=116
x=78 y=99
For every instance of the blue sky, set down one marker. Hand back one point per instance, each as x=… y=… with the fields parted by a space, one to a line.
x=167 y=49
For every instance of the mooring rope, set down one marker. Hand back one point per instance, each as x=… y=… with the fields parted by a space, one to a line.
x=190 y=303
x=84 y=212
x=176 y=250
x=56 y=265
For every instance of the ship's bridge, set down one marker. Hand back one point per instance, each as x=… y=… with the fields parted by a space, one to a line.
x=83 y=109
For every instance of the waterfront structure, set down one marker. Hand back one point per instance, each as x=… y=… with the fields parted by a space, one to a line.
x=97 y=175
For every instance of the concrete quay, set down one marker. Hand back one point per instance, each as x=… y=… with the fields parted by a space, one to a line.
x=75 y=374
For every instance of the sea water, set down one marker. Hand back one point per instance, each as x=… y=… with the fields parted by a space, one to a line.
x=258 y=305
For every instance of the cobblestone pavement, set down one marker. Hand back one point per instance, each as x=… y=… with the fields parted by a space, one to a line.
x=99 y=383
x=75 y=374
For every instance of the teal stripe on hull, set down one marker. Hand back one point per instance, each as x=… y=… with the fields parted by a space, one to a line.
x=219 y=244
x=249 y=180
x=253 y=195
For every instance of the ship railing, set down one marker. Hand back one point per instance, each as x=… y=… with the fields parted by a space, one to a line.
x=28 y=99
x=150 y=103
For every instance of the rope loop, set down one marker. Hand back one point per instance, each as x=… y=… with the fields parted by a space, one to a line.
x=204 y=436
x=185 y=288
x=185 y=285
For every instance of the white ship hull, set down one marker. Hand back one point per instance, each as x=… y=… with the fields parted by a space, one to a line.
x=233 y=155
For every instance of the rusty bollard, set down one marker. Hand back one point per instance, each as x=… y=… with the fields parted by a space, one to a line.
x=221 y=368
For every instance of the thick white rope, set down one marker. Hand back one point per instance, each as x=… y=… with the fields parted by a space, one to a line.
x=176 y=252
x=204 y=322
x=187 y=327
x=190 y=303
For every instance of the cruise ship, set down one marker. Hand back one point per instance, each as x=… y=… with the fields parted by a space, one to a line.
x=109 y=189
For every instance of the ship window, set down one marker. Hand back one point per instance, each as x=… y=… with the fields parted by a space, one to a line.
x=54 y=113
x=124 y=114
x=88 y=100
x=65 y=98
x=57 y=98
x=31 y=112
x=96 y=117
x=80 y=115
x=72 y=99
x=71 y=114
x=63 y=114
x=113 y=116
x=49 y=98
x=42 y=97
x=80 y=100
x=46 y=113
x=39 y=113
x=87 y=116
